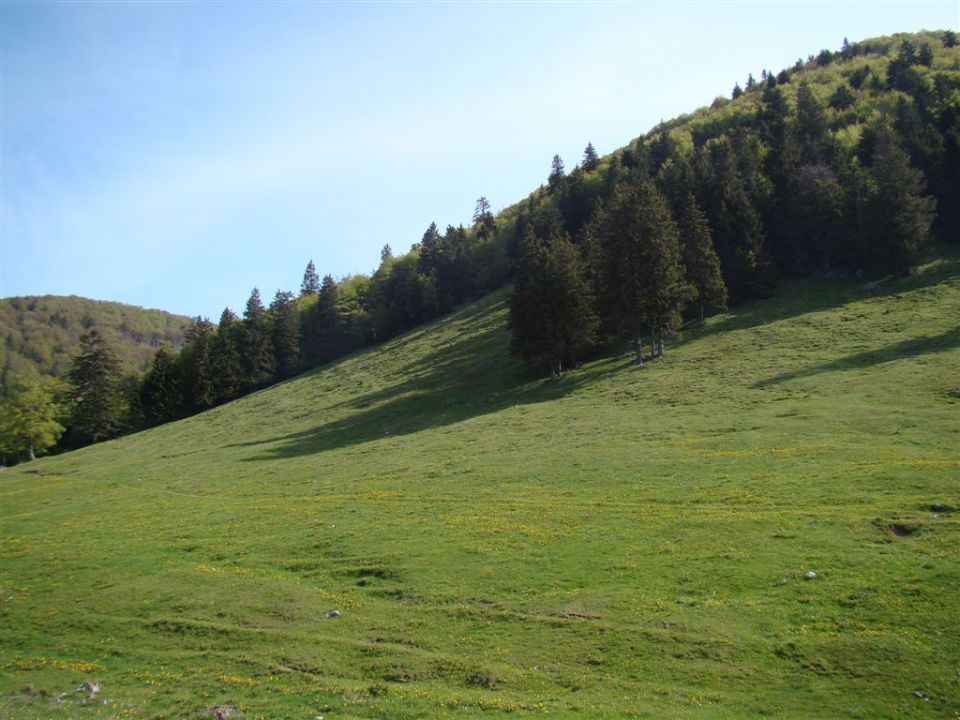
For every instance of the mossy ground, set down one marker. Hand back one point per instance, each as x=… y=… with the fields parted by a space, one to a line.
x=624 y=542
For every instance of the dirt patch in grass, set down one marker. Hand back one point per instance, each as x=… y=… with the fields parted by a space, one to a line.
x=898 y=530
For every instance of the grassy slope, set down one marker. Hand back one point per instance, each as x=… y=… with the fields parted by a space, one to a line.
x=624 y=542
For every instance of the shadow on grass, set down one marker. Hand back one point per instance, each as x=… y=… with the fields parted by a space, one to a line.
x=470 y=376
x=472 y=373
x=897 y=351
x=799 y=297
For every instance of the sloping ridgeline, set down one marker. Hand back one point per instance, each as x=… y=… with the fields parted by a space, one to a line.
x=623 y=542
x=847 y=162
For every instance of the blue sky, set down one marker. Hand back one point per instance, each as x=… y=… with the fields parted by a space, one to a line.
x=176 y=155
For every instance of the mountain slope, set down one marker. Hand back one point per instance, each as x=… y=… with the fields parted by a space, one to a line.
x=623 y=542
x=43 y=332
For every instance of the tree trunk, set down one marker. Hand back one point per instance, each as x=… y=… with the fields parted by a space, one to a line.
x=660 y=346
x=639 y=350
x=701 y=311
x=30 y=455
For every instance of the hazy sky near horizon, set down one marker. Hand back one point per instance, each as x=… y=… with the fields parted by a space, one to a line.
x=177 y=154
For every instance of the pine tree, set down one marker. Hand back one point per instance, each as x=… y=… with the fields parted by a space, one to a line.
x=811 y=125
x=160 y=395
x=484 y=223
x=557 y=174
x=285 y=326
x=431 y=252
x=899 y=215
x=196 y=364
x=735 y=220
x=819 y=215
x=98 y=406
x=255 y=347
x=226 y=359
x=643 y=263
x=311 y=281
x=590 y=159
x=700 y=258
x=551 y=308
x=330 y=322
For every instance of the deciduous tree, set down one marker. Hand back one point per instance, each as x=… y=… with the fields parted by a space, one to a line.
x=30 y=417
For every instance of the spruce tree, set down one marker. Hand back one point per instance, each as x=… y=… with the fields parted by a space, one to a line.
x=321 y=336
x=256 y=349
x=160 y=396
x=590 y=159
x=819 y=215
x=333 y=341
x=311 y=281
x=811 y=125
x=196 y=364
x=899 y=214
x=643 y=263
x=738 y=233
x=700 y=258
x=557 y=174
x=484 y=224
x=285 y=326
x=98 y=406
x=226 y=359
x=552 y=317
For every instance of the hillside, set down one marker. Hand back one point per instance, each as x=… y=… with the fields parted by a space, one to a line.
x=848 y=162
x=43 y=332
x=623 y=542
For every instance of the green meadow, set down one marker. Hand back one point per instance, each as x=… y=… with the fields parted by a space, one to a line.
x=622 y=542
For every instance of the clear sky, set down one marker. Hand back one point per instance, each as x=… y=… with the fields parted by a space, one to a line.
x=177 y=154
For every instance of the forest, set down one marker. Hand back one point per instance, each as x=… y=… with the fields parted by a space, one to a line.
x=845 y=164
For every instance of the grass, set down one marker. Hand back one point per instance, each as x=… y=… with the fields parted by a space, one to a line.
x=623 y=542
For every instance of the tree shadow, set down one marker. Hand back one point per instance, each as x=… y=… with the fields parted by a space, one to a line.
x=809 y=295
x=472 y=373
x=470 y=376
x=947 y=340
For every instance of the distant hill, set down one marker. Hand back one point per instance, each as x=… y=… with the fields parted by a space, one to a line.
x=43 y=332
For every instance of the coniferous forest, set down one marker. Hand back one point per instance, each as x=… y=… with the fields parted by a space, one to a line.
x=846 y=163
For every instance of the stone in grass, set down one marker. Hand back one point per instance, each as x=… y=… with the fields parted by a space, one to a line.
x=223 y=712
x=333 y=613
x=810 y=575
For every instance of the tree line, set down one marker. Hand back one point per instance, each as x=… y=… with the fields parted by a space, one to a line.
x=845 y=163
x=827 y=167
